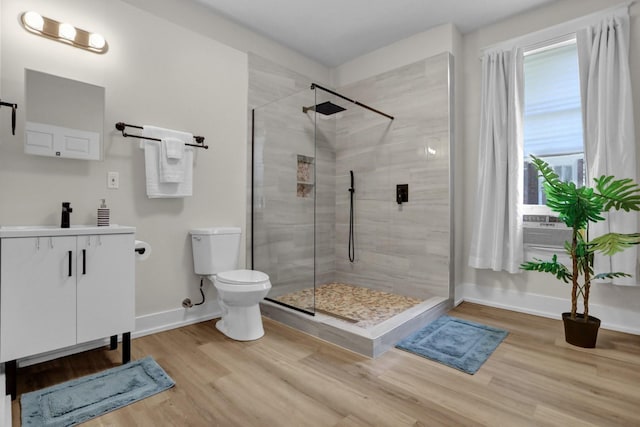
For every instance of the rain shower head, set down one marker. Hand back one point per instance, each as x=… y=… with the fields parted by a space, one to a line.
x=327 y=108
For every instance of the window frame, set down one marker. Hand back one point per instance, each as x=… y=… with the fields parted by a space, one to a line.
x=553 y=43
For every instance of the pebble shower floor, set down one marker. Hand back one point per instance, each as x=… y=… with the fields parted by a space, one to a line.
x=361 y=306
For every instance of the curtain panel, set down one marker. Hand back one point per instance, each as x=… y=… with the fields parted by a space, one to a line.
x=610 y=145
x=497 y=230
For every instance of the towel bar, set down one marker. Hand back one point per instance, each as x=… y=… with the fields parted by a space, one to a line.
x=13 y=107
x=121 y=125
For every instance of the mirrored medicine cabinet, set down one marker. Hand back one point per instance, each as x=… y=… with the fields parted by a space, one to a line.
x=64 y=117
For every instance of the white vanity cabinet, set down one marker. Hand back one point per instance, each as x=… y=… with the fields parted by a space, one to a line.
x=60 y=287
x=105 y=288
x=37 y=295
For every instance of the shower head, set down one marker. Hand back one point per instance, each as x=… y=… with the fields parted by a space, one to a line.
x=327 y=108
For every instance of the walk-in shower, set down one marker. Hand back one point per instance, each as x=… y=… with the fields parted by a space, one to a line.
x=356 y=263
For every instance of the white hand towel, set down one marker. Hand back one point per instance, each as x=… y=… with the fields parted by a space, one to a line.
x=174 y=147
x=171 y=168
x=156 y=188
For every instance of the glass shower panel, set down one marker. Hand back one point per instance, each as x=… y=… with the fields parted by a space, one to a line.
x=326 y=119
x=284 y=188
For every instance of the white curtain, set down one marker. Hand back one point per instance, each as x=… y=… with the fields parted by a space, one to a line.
x=497 y=229
x=603 y=55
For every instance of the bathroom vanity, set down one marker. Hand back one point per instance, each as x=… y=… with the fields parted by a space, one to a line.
x=64 y=286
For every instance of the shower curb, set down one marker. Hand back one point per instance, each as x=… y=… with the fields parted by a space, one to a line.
x=358 y=342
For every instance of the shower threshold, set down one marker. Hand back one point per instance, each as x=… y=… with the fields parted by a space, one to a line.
x=372 y=341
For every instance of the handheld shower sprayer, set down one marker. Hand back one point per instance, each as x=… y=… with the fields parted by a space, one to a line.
x=352 y=245
x=352 y=189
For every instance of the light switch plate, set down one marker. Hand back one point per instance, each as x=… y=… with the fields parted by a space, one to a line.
x=113 y=180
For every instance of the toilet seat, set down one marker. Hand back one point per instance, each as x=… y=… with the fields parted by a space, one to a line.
x=242 y=280
x=242 y=277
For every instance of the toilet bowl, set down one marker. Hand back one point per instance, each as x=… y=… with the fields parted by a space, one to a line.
x=239 y=295
x=215 y=255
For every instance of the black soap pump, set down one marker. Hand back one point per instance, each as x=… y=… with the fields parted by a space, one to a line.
x=66 y=217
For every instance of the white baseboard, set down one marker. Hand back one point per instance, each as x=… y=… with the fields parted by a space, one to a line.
x=614 y=318
x=458 y=295
x=145 y=325
x=3 y=405
x=171 y=319
x=5 y=402
x=6 y=419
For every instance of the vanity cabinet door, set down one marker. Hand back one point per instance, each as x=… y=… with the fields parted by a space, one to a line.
x=37 y=295
x=105 y=288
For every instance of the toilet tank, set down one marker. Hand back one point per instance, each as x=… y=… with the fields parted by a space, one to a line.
x=215 y=249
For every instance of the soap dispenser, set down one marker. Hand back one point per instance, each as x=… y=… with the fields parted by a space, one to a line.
x=66 y=215
x=103 y=214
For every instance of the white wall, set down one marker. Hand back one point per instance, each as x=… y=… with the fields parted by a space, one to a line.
x=618 y=307
x=191 y=14
x=407 y=51
x=155 y=72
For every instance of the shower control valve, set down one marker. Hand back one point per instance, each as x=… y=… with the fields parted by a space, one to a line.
x=402 y=193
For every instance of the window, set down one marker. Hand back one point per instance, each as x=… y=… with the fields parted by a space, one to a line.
x=552 y=119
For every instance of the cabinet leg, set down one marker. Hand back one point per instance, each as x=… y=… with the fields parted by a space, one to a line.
x=114 y=342
x=126 y=347
x=11 y=373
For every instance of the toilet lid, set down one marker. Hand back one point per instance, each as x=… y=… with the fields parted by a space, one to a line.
x=240 y=277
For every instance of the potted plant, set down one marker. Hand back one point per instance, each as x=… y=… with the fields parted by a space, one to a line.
x=577 y=207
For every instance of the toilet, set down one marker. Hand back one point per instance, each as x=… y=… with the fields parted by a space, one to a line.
x=215 y=256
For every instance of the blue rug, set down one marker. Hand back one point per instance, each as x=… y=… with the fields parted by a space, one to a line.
x=76 y=401
x=458 y=343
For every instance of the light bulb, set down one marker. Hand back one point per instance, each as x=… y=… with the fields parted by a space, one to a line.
x=34 y=20
x=67 y=31
x=96 y=41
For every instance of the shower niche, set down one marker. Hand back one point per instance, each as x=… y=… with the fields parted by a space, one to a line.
x=305 y=176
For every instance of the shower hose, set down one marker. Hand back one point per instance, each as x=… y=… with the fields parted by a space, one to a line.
x=352 y=246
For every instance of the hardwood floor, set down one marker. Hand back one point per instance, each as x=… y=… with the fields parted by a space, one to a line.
x=288 y=378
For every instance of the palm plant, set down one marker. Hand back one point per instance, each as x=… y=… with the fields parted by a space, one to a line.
x=577 y=207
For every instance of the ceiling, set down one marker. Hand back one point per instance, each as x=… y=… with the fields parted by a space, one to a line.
x=333 y=32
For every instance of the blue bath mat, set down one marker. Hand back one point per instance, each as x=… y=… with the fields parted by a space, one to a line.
x=458 y=343
x=79 y=400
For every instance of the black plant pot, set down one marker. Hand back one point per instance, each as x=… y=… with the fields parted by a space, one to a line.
x=581 y=333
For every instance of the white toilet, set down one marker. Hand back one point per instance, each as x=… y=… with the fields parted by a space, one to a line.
x=215 y=255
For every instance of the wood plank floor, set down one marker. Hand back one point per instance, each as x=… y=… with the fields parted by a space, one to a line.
x=290 y=379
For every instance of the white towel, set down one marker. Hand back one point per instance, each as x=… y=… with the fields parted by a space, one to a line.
x=174 y=147
x=172 y=168
x=155 y=188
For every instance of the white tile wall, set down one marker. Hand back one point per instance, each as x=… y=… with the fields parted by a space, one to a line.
x=402 y=249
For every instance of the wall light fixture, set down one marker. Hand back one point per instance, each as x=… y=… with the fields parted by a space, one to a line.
x=63 y=32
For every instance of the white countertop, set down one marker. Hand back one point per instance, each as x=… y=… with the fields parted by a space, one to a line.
x=54 y=230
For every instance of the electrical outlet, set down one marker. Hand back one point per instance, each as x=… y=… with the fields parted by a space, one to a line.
x=113 y=180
